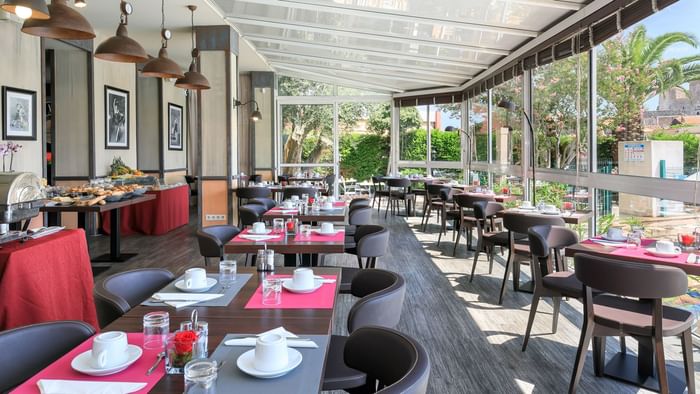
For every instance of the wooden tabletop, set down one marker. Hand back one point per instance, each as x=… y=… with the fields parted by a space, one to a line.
x=234 y=319
x=577 y=217
x=306 y=179
x=99 y=208
x=497 y=197
x=335 y=215
x=606 y=251
x=288 y=245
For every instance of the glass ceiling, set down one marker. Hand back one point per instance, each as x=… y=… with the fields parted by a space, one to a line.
x=432 y=44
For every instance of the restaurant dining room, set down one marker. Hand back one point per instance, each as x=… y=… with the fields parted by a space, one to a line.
x=349 y=196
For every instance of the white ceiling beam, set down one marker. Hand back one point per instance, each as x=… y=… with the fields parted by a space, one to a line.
x=361 y=33
x=393 y=15
x=365 y=51
x=380 y=66
x=562 y=5
x=392 y=76
x=325 y=77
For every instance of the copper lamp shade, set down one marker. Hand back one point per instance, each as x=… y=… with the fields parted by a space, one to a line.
x=193 y=80
x=65 y=23
x=162 y=67
x=121 y=48
x=38 y=8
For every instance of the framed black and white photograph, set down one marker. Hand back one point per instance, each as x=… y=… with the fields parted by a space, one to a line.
x=116 y=118
x=174 y=127
x=18 y=114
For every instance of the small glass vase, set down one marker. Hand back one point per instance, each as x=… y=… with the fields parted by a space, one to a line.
x=180 y=350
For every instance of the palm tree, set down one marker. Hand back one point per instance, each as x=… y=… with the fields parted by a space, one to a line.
x=632 y=70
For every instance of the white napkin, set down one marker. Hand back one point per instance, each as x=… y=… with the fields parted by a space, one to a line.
x=609 y=243
x=281 y=331
x=181 y=300
x=257 y=237
x=51 y=386
x=323 y=280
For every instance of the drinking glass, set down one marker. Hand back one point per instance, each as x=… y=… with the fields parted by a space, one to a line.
x=305 y=230
x=156 y=327
x=634 y=239
x=278 y=225
x=272 y=291
x=200 y=376
x=227 y=273
x=305 y=197
x=567 y=207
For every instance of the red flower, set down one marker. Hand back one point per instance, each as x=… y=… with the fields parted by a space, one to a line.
x=184 y=341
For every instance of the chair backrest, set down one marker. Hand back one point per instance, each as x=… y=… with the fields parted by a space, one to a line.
x=266 y=202
x=466 y=201
x=486 y=209
x=397 y=362
x=255 y=178
x=298 y=191
x=630 y=279
x=190 y=179
x=251 y=213
x=381 y=295
x=253 y=192
x=399 y=182
x=29 y=349
x=519 y=223
x=118 y=293
x=213 y=238
x=360 y=215
x=359 y=202
x=372 y=240
x=543 y=238
x=329 y=180
x=433 y=190
x=282 y=178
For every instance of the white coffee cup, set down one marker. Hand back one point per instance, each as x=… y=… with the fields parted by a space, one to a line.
x=271 y=353
x=614 y=233
x=550 y=208
x=526 y=204
x=666 y=247
x=288 y=204
x=259 y=227
x=327 y=227
x=295 y=198
x=327 y=205
x=109 y=349
x=303 y=278
x=195 y=278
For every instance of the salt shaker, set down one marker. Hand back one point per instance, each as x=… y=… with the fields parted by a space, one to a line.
x=201 y=350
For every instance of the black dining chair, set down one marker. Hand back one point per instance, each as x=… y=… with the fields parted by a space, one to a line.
x=118 y=293
x=379 y=191
x=29 y=349
x=361 y=201
x=245 y=194
x=282 y=179
x=251 y=213
x=466 y=220
x=488 y=238
x=399 y=190
x=212 y=240
x=268 y=203
x=381 y=296
x=393 y=362
x=298 y=191
x=433 y=202
x=329 y=182
x=631 y=304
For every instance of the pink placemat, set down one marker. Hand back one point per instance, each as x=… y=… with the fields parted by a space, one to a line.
x=322 y=298
x=279 y=210
x=339 y=204
x=136 y=373
x=315 y=237
x=238 y=238
x=641 y=252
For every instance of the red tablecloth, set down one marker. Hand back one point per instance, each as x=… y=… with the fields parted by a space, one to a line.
x=46 y=279
x=170 y=210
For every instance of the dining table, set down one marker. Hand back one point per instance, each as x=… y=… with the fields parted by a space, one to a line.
x=576 y=217
x=335 y=214
x=639 y=369
x=240 y=318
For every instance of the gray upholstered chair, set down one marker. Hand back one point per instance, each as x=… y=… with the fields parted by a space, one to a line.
x=117 y=294
x=212 y=239
x=394 y=362
x=631 y=303
x=465 y=216
x=400 y=190
x=268 y=203
x=488 y=238
x=381 y=300
x=371 y=242
x=379 y=191
x=251 y=213
x=359 y=202
x=298 y=191
x=245 y=194
x=29 y=349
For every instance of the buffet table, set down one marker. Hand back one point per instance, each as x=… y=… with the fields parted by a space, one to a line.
x=168 y=211
x=46 y=279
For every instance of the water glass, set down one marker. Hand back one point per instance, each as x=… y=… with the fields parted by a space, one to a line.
x=271 y=291
x=634 y=239
x=156 y=327
x=305 y=197
x=227 y=273
x=200 y=376
x=278 y=225
x=305 y=230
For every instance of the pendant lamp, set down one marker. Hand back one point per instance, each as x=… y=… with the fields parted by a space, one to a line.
x=65 y=23
x=162 y=66
x=121 y=48
x=27 y=9
x=193 y=79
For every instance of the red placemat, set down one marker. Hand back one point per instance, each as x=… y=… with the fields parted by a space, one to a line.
x=238 y=238
x=136 y=373
x=315 y=237
x=641 y=252
x=322 y=298
x=339 y=204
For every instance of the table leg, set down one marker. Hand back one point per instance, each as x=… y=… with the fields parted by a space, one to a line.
x=54 y=218
x=115 y=255
x=82 y=220
x=290 y=260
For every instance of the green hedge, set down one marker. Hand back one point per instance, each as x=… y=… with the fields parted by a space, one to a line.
x=363 y=155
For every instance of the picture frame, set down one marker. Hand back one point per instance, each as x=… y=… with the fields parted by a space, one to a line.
x=116 y=107
x=175 y=129
x=18 y=114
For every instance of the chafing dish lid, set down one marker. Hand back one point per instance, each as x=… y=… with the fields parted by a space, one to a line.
x=18 y=187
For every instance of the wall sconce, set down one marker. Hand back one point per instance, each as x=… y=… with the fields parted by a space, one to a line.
x=256 y=115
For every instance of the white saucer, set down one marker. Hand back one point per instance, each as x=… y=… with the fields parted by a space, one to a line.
x=557 y=212
x=245 y=364
x=83 y=362
x=329 y=209
x=528 y=208
x=180 y=284
x=265 y=232
x=288 y=284
x=613 y=239
x=657 y=253
x=326 y=234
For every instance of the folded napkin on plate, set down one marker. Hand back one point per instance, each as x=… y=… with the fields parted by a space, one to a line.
x=51 y=386
x=291 y=339
x=257 y=237
x=609 y=243
x=180 y=300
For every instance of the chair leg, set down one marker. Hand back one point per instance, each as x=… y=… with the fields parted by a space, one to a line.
x=509 y=264
x=556 y=304
x=386 y=211
x=359 y=261
x=586 y=334
x=599 y=355
x=531 y=318
x=661 y=374
x=454 y=250
x=479 y=247
x=687 y=344
x=516 y=275
x=491 y=249
x=442 y=228
x=623 y=345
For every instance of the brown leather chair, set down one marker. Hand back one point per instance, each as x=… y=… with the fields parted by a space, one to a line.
x=465 y=216
x=631 y=304
x=394 y=362
x=488 y=238
x=29 y=349
x=379 y=191
x=381 y=300
x=433 y=201
x=118 y=293
x=400 y=190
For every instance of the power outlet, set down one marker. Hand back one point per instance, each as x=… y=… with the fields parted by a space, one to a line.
x=215 y=217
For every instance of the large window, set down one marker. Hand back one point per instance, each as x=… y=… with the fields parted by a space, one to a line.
x=507 y=128
x=479 y=126
x=307 y=135
x=445 y=133
x=413 y=133
x=364 y=130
